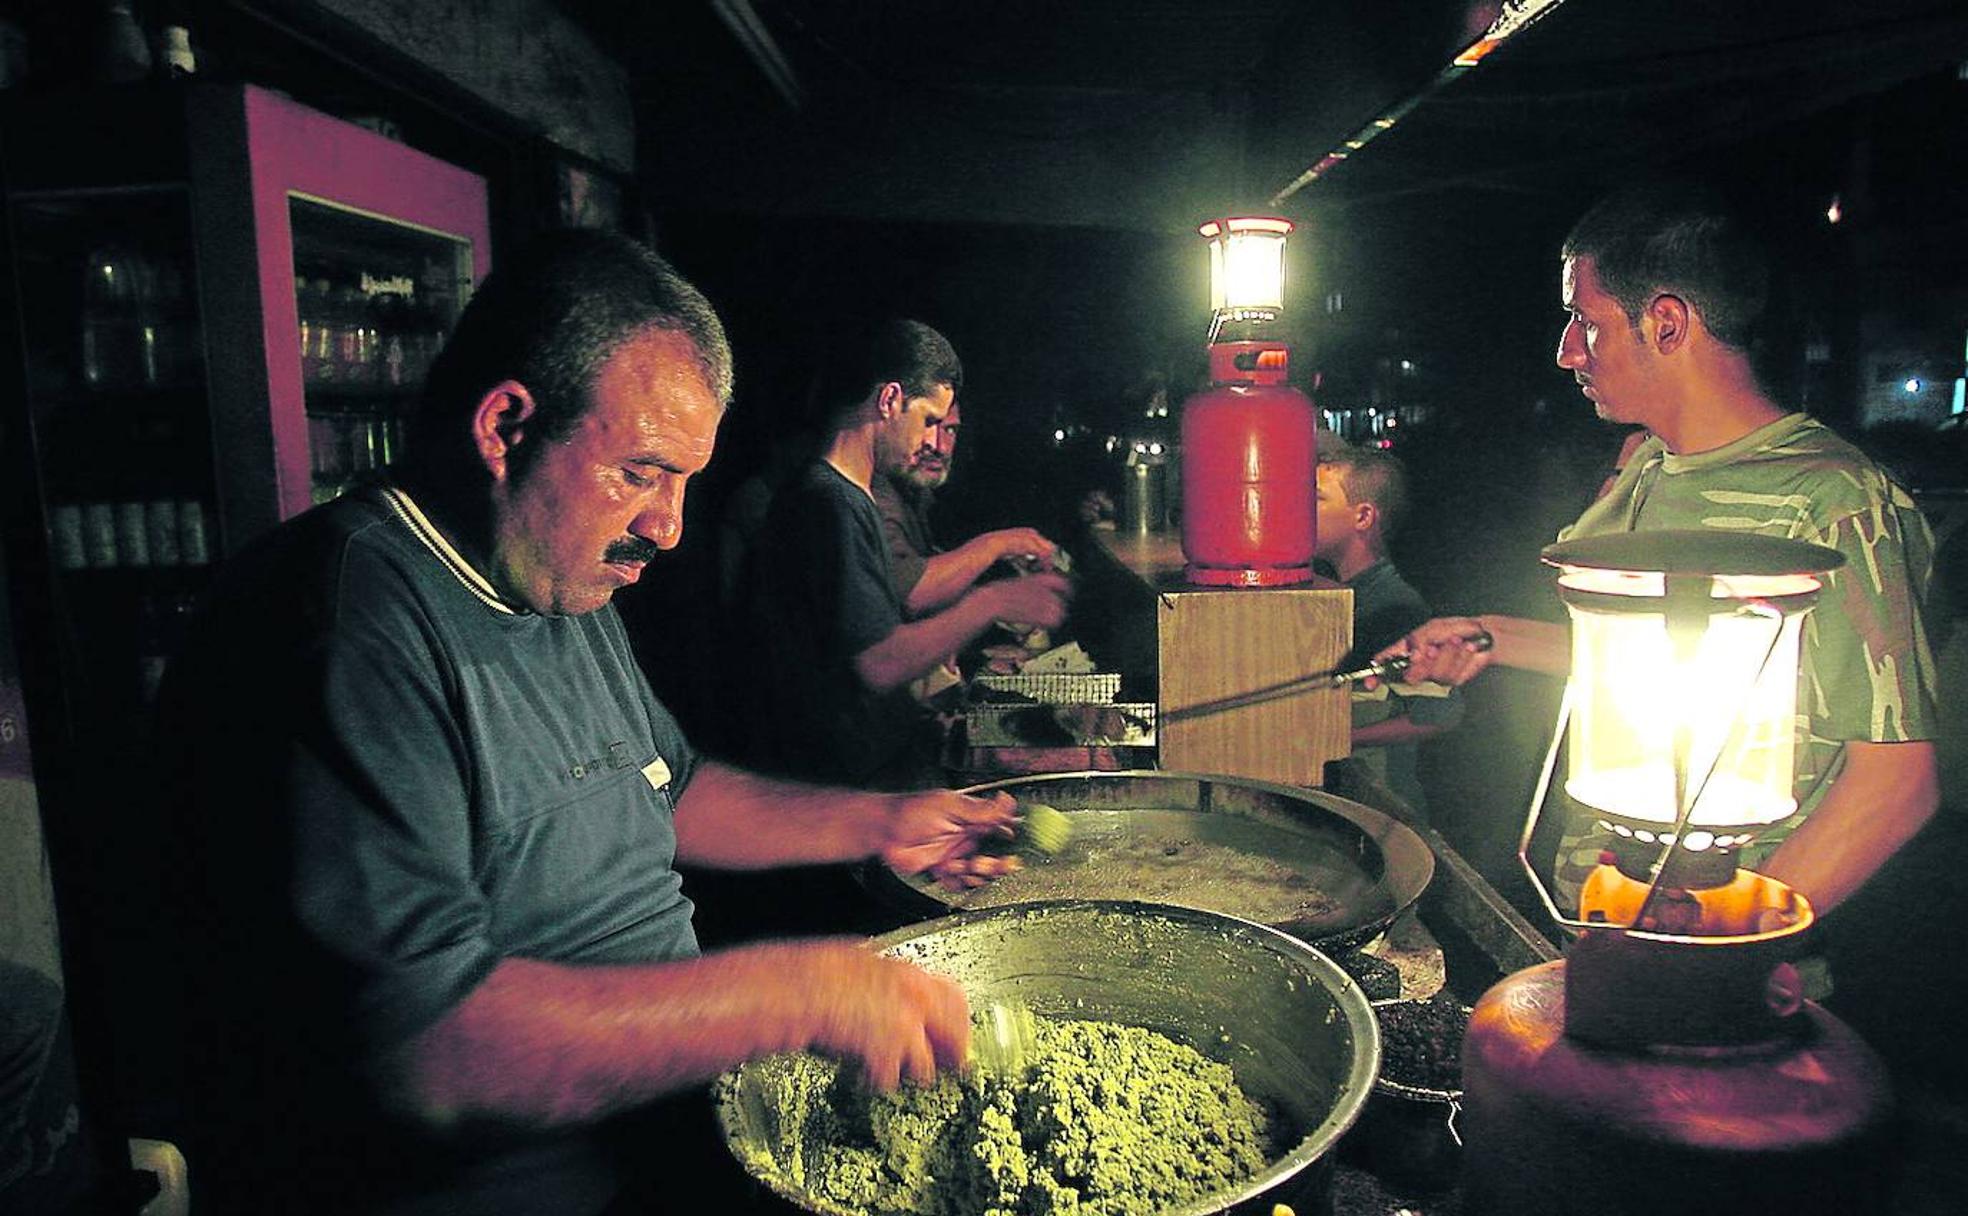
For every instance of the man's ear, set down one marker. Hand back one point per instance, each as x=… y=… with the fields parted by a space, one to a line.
x=1366 y=517
x=499 y=425
x=890 y=400
x=1671 y=316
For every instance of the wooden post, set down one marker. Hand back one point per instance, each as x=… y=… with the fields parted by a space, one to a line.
x=1220 y=647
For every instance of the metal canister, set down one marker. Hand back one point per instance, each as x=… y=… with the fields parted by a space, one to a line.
x=161 y=526
x=65 y=531
x=1250 y=452
x=99 y=534
x=193 y=545
x=1144 y=497
x=132 y=535
x=1566 y=1109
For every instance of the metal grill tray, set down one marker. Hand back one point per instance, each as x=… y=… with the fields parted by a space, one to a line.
x=1057 y=687
x=1093 y=724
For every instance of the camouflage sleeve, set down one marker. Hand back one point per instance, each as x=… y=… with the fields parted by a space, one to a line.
x=1869 y=673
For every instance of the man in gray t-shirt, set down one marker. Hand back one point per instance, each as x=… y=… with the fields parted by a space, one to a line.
x=438 y=948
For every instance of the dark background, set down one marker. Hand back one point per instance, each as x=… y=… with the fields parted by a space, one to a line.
x=1031 y=188
x=1027 y=176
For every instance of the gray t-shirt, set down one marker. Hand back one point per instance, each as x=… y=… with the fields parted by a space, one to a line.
x=904 y=516
x=397 y=782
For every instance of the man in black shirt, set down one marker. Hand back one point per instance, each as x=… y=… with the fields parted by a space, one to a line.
x=837 y=644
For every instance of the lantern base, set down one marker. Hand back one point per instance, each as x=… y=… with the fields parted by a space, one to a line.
x=1701 y=968
x=1222 y=576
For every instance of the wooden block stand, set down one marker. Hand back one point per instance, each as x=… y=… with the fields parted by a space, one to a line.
x=1216 y=644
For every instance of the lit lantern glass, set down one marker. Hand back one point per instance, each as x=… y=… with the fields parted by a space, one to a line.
x=1247 y=263
x=1683 y=694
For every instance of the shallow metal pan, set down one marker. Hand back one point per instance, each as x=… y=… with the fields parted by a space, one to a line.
x=1322 y=868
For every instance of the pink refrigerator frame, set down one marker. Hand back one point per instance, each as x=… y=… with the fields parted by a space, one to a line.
x=293 y=150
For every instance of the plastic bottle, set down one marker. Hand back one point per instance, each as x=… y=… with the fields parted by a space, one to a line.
x=320 y=331
x=355 y=341
x=175 y=52
x=392 y=328
x=111 y=357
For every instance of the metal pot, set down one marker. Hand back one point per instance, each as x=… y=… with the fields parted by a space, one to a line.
x=1251 y=849
x=1407 y=1136
x=1298 y=1032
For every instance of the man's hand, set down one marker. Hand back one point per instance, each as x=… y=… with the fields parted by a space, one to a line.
x=947 y=577
x=1024 y=545
x=1445 y=649
x=1033 y=600
x=938 y=832
x=1441 y=650
x=1095 y=506
x=898 y=1020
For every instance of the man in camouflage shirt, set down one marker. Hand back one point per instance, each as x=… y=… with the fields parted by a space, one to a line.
x=1669 y=296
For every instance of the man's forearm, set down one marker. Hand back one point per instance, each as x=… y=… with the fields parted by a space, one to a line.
x=1444 y=650
x=1529 y=645
x=1884 y=794
x=734 y=820
x=1391 y=731
x=913 y=649
x=946 y=576
x=549 y=1045
x=544 y=1045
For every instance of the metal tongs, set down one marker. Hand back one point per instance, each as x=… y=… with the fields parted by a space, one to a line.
x=1396 y=664
x=1393 y=665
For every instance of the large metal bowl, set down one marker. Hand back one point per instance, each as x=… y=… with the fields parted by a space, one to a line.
x=1298 y=1032
x=1244 y=848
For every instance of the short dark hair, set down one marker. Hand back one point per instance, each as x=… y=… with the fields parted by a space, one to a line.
x=550 y=318
x=1671 y=235
x=897 y=349
x=1372 y=475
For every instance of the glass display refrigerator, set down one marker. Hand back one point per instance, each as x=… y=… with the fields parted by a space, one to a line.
x=222 y=304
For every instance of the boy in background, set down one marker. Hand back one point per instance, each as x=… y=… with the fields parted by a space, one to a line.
x=1362 y=499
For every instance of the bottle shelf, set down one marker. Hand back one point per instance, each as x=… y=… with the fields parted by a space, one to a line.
x=329 y=398
x=154 y=536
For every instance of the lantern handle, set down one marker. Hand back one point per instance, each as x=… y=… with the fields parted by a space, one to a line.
x=1538 y=796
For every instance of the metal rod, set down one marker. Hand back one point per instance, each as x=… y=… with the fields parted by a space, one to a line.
x=1393 y=665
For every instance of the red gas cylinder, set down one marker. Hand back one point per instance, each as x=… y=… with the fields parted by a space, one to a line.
x=1249 y=453
x=1650 y=1073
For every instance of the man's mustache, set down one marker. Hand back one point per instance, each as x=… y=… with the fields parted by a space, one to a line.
x=631 y=549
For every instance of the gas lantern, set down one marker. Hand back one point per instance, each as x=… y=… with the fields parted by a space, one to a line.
x=1670 y=1059
x=1248 y=441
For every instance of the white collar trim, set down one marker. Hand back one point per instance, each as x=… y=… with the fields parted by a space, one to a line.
x=406 y=509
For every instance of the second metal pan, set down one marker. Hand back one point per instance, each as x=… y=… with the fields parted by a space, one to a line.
x=1319 y=867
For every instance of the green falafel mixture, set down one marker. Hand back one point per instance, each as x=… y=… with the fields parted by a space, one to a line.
x=1107 y=1120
